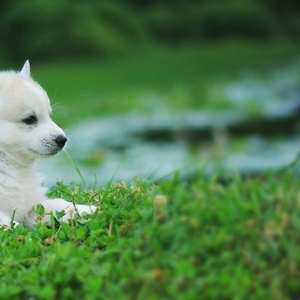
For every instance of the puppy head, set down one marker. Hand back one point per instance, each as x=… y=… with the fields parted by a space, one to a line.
x=26 y=128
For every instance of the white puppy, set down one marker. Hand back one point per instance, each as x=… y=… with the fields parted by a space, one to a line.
x=26 y=133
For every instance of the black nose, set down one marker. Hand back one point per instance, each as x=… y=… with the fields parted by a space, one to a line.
x=61 y=141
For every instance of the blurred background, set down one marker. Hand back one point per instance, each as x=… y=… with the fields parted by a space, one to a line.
x=150 y=87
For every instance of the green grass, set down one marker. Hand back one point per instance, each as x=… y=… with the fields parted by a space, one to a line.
x=160 y=78
x=177 y=240
x=201 y=240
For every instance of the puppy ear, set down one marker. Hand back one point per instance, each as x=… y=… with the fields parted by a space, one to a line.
x=26 y=69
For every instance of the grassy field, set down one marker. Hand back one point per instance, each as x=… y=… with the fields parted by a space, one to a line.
x=160 y=78
x=179 y=240
x=201 y=239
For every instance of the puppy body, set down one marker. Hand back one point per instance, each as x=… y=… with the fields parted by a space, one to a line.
x=26 y=133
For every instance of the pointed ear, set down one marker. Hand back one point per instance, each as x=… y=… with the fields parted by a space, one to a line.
x=26 y=69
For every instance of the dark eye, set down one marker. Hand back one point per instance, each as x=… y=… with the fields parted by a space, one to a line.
x=30 y=120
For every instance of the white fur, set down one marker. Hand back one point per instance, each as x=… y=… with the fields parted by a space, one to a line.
x=22 y=141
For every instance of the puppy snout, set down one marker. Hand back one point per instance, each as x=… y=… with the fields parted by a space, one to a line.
x=61 y=141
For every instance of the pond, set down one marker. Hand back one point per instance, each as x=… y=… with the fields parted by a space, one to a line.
x=258 y=130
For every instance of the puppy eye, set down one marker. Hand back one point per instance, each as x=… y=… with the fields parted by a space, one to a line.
x=30 y=120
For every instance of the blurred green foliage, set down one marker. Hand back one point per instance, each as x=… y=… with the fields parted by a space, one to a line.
x=160 y=78
x=44 y=30
x=61 y=28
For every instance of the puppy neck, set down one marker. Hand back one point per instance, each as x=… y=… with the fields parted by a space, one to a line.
x=8 y=160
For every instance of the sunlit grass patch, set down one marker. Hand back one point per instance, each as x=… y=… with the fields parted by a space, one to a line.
x=178 y=239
